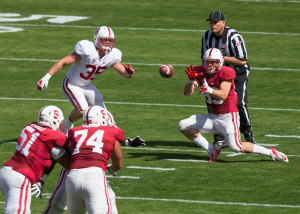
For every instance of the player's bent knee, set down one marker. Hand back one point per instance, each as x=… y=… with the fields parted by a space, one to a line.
x=182 y=125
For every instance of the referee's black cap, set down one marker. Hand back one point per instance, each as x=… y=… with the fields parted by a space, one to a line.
x=216 y=16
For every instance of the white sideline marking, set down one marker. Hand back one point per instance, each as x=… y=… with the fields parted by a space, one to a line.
x=186 y=160
x=210 y=202
x=154 y=168
x=149 y=64
x=150 y=29
x=143 y=104
x=282 y=136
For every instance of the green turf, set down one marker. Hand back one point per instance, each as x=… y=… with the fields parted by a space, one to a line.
x=255 y=183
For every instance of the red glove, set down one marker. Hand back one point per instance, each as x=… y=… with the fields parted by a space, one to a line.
x=191 y=72
x=129 y=69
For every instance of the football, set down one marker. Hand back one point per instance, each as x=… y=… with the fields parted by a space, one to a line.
x=166 y=71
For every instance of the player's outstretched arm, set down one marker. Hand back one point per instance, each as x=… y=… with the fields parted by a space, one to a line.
x=192 y=84
x=124 y=70
x=67 y=60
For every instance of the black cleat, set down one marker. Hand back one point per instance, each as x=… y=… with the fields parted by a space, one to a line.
x=249 y=138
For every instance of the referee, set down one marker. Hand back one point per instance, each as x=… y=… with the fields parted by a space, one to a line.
x=232 y=46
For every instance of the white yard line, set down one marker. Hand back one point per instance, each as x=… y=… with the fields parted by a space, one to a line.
x=141 y=28
x=210 y=202
x=147 y=64
x=143 y=104
x=126 y=177
x=186 y=160
x=282 y=136
x=151 y=168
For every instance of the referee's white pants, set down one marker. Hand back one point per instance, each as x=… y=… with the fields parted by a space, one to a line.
x=224 y=124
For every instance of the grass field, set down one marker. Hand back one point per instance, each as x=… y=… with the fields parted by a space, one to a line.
x=151 y=33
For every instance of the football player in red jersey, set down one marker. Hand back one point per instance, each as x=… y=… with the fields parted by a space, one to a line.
x=217 y=85
x=91 y=146
x=40 y=144
x=57 y=202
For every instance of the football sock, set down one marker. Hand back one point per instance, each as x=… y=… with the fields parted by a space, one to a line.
x=201 y=141
x=261 y=150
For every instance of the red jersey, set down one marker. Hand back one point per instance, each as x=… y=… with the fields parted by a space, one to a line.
x=33 y=151
x=92 y=146
x=218 y=106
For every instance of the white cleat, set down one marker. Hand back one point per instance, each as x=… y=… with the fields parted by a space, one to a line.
x=278 y=156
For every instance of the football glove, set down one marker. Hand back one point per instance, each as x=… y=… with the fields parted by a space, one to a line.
x=111 y=172
x=192 y=74
x=37 y=188
x=129 y=69
x=205 y=89
x=44 y=82
x=135 y=142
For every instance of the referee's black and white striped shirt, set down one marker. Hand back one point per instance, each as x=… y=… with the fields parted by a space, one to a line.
x=231 y=41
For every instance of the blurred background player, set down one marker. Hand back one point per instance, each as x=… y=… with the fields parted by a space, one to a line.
x=233 y=48
x=217 y=85
x=88 y=60
x=91 y=145
x=58 y=201
x=39 y=145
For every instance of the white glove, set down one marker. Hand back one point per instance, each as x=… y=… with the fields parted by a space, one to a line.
x=205 y=89
x=43 y=82
x=37 y=188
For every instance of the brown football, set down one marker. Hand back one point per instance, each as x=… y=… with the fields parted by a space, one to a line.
x=166 y=71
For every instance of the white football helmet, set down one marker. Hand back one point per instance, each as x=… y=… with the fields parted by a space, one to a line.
x=104 y=39
x=110 y=119
x=213 y=55
x=51 y=116
x=95 y=116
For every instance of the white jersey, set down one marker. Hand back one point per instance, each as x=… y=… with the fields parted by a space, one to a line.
x=84 y=71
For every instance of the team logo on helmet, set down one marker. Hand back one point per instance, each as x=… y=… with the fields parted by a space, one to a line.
x=104 y=39
x=95 y=116
x=51 y=116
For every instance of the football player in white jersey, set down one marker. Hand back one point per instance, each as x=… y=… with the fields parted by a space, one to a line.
x=88 y=60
